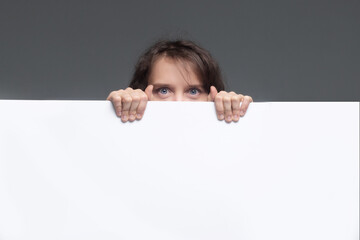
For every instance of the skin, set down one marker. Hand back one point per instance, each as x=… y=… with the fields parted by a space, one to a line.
x=175 y=81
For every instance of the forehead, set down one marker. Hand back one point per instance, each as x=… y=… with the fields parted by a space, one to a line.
x=166 y=70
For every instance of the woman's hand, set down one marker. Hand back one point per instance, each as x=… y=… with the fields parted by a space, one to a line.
x=227 y=104
x=130 y=104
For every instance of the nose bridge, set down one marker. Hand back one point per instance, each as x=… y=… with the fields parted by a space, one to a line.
x=179 y=96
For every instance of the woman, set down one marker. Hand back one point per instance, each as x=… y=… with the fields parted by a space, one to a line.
x=177 y=71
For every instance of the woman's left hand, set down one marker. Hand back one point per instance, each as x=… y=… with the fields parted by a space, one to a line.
x=227 y=104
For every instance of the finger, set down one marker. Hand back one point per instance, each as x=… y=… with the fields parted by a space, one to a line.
x=212 y=94
x=149 y=92
x=142 y=105
x=227 y=108
x=219 y=106
x=110 y=96
x=117 y=105
x=134 y=105
x=115 y=99
x=244 y=105
x=126 y=104
x=235 y=105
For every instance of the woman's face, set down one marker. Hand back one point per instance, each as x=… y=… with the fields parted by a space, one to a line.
x=175 y=81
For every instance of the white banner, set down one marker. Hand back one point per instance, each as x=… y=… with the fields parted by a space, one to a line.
x=73 y=170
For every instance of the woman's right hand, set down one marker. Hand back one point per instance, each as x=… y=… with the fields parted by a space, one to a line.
x=130 y=104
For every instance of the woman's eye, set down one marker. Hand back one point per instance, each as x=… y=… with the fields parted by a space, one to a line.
x=163 y=91
x=194 y=91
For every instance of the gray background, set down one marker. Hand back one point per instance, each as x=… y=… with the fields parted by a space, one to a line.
x=280 y=50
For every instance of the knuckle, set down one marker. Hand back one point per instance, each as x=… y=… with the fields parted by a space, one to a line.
x=117 y=103
x=116 y=98
x=219 y=109
x=111 y=96
x=136 y=98
x=218 y=98
x=227 y=99
x=248 y=98
x=236 y=107
x=143 y=97
x=235 y=98
x=127 y=99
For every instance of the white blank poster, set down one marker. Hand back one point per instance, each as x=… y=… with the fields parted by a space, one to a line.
x=73 y=170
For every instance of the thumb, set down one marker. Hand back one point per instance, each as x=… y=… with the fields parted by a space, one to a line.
x=148 y=92
x=212 y=94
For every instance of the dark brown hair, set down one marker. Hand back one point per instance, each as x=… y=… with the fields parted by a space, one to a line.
x=203 y=63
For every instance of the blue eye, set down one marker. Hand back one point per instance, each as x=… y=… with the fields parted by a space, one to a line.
x=163 y=91
x=194 y=91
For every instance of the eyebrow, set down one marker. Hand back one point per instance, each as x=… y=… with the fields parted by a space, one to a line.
x=158 y=85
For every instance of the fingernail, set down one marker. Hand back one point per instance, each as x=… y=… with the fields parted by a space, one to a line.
x=119 y=114
x=236 y=116
x=138 y=115
x=241 y=113
x=229 y=118
x=221 y=116
x=124 y=117
x=132 y=117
